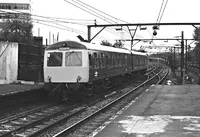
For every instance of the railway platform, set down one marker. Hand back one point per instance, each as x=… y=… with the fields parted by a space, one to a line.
x=11 y=89
x=161 y=111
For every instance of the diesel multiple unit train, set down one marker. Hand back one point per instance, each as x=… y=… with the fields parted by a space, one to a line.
x=72 y=66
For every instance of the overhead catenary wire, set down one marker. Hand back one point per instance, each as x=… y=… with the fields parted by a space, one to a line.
x=160 y=11
x=50 y=18
x=62 y=20
x=2 y=10
x=163 y=11
x=62 y=28
x=56 y=24
x=95 y=13
x=75 y=23
x=93 y=10
x=160 y=15
x=102 y=12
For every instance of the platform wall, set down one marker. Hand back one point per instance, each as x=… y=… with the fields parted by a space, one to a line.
x=8 y=62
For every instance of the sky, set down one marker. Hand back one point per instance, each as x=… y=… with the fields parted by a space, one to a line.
x=131 y=11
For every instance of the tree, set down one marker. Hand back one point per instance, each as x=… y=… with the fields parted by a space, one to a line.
x=106 y=43
x=16 y=30
x=196 y=36
x=118 y=44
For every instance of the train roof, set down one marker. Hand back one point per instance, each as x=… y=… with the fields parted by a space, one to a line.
x=90 y=46
x=139 y=53
x=155 y=58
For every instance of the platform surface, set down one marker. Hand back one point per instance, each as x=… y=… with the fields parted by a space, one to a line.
x=161 y=111
x=8 y=89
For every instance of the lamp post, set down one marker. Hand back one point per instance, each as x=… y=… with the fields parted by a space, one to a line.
x=182 y=57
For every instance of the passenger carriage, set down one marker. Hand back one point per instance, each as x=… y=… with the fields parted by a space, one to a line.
x=75 y=66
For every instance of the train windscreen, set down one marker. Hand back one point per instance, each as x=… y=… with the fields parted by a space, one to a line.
x=54 y=59
x=73 y=58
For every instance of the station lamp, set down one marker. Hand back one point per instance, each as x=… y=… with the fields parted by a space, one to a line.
x=154 y=32
x=155 y=27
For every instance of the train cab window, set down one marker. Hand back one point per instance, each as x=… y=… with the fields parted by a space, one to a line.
x=73 y=58
x=54 y=59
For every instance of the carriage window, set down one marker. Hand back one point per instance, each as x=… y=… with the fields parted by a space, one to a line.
x=120 y=60
x=95 y=55
x=73 y=58
x=102 y=60
x=54 y=59
x=90 y=60
x=116 y=60
x=96 y=61
x=112 y=60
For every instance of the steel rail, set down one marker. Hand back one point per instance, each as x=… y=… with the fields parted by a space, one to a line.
x=77 y=124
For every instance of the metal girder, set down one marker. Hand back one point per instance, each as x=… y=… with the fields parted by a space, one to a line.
x=155 y=39
x=134 y=24
x=144 y=24
x=96 y=34
x=132 y=35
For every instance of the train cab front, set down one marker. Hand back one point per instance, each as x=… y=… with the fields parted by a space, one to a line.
x=66 y=66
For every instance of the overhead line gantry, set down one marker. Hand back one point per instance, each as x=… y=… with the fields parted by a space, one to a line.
x=103 y=26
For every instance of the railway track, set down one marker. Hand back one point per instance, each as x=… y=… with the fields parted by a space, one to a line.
x=21 y=98
x=40 y=121
x=87 y=125
x=12 y=126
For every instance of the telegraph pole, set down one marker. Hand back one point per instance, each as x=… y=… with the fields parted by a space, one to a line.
x=182 y=57
x=186 y=56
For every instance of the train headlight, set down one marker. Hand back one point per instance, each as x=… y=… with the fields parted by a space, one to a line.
x=78 y=78
x=49 y=78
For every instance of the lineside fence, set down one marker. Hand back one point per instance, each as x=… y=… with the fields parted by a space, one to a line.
x=21 y=61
